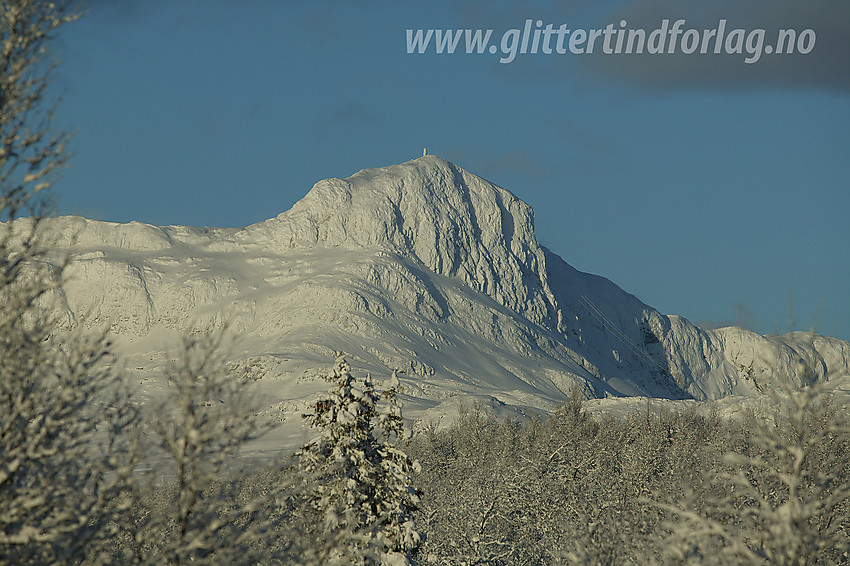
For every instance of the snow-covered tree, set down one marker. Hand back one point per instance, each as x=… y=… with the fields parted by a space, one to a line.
x=30 y=155
x=65 y=460
x=783 y=497
x=359 y=480
x=561 y=490
x=398 y=499
x=65 y=466
x=199 y=428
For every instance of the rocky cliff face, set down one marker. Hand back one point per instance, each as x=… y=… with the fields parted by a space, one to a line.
x=428 y=210
x=423 y=268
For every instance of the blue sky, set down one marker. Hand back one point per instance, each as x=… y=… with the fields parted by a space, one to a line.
x=705 y=186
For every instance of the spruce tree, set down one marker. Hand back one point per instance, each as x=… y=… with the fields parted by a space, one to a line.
x=359 y=482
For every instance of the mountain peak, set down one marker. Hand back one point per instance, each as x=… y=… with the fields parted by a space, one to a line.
x=420 y=267
x=428 y=209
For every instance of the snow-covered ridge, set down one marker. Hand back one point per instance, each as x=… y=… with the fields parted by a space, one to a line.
x=423 y=268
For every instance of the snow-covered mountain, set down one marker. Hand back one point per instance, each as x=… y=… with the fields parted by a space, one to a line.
x=422 y=268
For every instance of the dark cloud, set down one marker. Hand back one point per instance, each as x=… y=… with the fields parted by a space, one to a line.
x=826 y=67
x=591 y=142
x=493 y=166
x=351 y=114
x=516 y=160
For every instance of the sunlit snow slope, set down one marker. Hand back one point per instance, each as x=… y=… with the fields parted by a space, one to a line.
x=422 y=268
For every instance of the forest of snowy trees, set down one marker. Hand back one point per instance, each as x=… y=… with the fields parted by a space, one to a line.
x=90 y=476
x=654 y=487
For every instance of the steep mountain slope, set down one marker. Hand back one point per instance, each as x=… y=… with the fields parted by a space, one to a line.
x=422 y=268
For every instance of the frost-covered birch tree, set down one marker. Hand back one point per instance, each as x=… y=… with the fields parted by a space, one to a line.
x=200 y=425
x=784 y=495
x=30 y=154
x=65 y=458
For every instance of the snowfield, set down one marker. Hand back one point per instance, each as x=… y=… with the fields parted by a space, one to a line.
x=420 y=268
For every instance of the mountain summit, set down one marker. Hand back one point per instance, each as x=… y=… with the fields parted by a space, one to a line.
x=430 y=211
x=421 y=268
